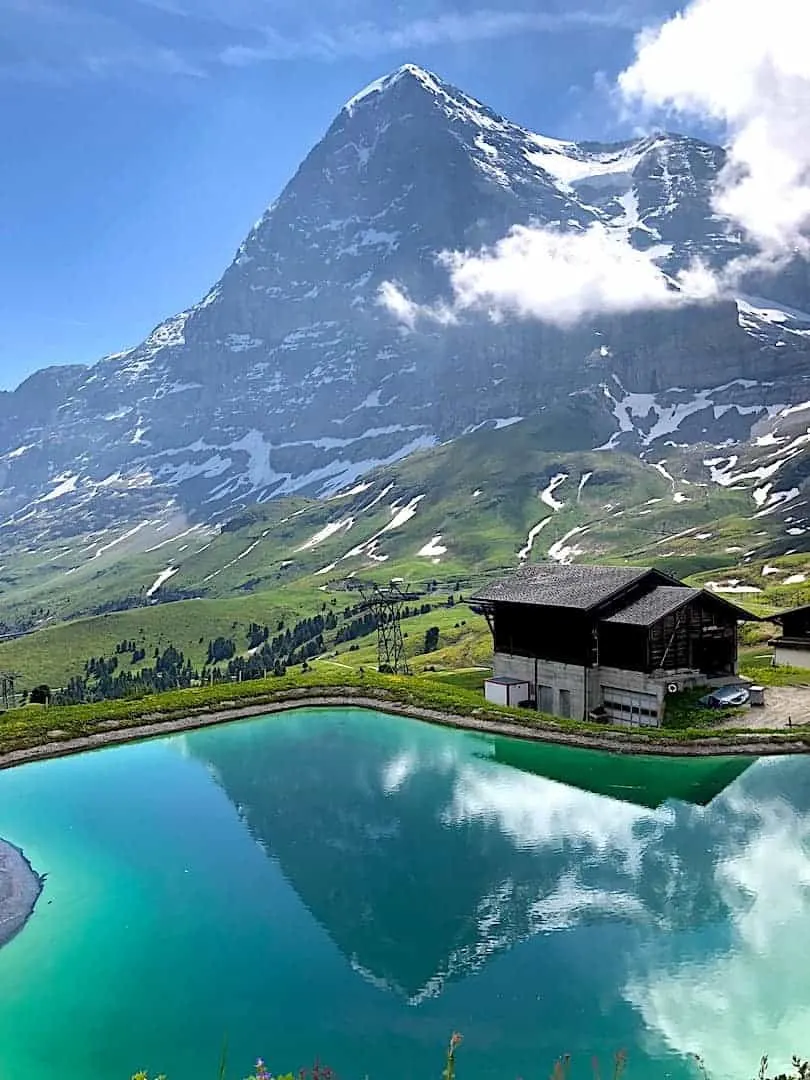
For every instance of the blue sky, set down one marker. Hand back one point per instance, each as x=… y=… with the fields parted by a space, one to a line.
x=144 y=137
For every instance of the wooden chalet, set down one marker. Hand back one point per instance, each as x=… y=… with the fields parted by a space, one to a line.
x=792 y=647
x=607 y=641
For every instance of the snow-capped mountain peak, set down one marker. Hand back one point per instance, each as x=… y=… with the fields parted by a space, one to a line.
x=289 y=375
x=426 y=79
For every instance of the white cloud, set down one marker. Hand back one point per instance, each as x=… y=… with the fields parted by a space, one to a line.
x=745 y=65
x=375 y=38
x=401 y=307
x=535 y=812
x=728 y=62
x=557 y=277
x=753 y=996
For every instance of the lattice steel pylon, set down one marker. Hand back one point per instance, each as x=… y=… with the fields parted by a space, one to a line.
x=8 y=697
x=385 y=602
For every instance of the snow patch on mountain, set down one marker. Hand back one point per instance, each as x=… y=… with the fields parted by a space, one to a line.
x=379 y=86
x=328 y=530
x=65 y=484
x=570 y=165
x=20 y=450
x=733 y=585
x=176 y=538
x=402 y=514
x=161 y=579
x=122 y=539
x=547 y=494
x=432 y=549
x=534 y=532
x=563 y=552
x=649 y=417
x=356 y=490
x=583 y=480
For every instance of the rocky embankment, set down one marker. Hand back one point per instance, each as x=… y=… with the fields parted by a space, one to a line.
x=20 y=887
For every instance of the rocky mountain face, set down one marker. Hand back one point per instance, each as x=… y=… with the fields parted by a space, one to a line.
x=291 y=376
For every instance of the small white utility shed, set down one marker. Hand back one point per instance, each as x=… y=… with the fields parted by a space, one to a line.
x=502 y=690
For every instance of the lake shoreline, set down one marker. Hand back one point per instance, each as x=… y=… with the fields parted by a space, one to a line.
x=20 y=889
x=612 y=741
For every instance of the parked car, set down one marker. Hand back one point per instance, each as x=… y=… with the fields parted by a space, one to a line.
x=725 y=697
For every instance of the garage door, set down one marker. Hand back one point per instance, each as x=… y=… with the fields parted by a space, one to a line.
x=629 y=707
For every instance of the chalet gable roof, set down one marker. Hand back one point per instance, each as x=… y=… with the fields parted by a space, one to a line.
x=648 y=609
x=664 y=600
x=790 y=611
x=546 y=585
x=589 y=588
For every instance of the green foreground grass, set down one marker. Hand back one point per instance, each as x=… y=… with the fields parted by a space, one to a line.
x=683 y=712
x=561 y=1070
x=36 y=725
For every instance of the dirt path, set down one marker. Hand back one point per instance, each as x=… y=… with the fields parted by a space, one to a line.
x=785 y=707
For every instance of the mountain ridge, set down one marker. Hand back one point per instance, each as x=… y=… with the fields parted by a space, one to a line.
x=289 y=376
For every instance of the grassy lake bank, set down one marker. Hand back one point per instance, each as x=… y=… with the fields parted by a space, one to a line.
x=36 y=732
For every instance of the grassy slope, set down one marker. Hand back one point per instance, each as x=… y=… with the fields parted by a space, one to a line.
x=460 y=646
x=54 y=654
x=268 y=562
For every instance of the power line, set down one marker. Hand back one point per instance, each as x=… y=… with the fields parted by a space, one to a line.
x=449 y=584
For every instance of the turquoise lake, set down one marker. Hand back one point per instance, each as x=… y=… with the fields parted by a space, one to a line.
x=354 y=887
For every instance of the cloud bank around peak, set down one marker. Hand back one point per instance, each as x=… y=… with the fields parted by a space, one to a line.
x=725 y=62
x=746 y=66
x=557 y=277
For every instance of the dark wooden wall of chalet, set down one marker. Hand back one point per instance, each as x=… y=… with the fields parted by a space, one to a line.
x=700 y=635
x=623 y=646
x=797 y=625
x=560 y=634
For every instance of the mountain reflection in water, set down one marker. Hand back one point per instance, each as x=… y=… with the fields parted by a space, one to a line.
x=363 y=884
x=423 y=855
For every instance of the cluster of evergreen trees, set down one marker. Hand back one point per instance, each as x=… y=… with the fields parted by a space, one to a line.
x=102 y=679
x=359 y=625
x=220 y=649
x=136 y=652
x=272 y=656
x=269 y=653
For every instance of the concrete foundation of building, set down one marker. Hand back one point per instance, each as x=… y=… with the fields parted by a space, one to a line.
x=623 y=696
